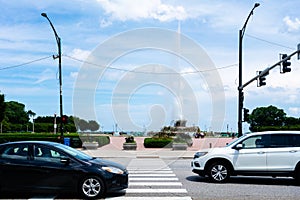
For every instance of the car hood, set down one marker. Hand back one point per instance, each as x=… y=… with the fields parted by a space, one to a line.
x=213 y=150
x=102 y=162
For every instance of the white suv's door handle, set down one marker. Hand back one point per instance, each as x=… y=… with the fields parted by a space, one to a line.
x=261 y=152
x=292 y=151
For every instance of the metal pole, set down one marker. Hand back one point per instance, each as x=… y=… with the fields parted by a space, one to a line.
x=58 y=41
x=55 y=125
x=266 y=71
x=240 y=88
x=60 y=93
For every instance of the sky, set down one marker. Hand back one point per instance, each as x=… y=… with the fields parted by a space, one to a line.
x=142 y=64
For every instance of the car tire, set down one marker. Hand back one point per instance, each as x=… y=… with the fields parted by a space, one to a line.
x=219 y=172
x=297 y=174
x=91 y=187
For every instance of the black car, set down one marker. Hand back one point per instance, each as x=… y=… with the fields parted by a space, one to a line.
x=47 y=166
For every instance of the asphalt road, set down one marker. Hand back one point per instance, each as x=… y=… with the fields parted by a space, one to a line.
x=154 y=178
x=259 y=188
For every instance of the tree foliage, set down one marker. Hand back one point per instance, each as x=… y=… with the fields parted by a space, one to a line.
x=15 y=113
x=271 y=118
x=2 y=107
x=93 y=125
x=84 y=125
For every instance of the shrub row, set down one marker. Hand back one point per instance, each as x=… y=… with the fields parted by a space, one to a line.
x=275 y=128
x=102 y=139
x=76 y=140
x=158 y=142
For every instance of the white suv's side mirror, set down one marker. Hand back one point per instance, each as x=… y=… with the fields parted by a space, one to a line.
x=238 y=146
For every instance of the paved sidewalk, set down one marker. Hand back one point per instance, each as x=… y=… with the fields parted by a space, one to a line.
x=115 y=149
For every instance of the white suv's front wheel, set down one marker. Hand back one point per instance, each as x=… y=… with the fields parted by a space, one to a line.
x=219 y=172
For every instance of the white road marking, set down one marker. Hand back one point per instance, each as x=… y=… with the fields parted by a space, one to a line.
x=149 y=171
x=153 y=179
x=155 y=184
x=155 y=191
x=154 y=175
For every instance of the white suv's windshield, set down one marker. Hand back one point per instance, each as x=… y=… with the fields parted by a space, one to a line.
x=236 y=140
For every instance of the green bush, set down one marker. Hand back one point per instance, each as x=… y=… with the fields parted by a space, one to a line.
x=101 y=139
x=158 y=142
x=75 y=141
x=129 y=139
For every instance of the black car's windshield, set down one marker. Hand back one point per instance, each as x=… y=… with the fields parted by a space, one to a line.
x=77 y=154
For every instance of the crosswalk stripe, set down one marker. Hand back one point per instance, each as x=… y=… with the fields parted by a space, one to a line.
x=153 y=179
x=155 y=190
x=149 y=171
x=155 y=184
x=158 y=184
x=154 y=175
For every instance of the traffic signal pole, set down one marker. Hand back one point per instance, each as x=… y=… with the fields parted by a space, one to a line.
x=263 y=73
x=240 y=88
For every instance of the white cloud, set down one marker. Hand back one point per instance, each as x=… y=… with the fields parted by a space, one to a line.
x=294 y=111
x=142 y=9
x=293 y=25
x=73 y=75
x=292 y=98
x=45 y=75
x=105 y=23
x=80 y=54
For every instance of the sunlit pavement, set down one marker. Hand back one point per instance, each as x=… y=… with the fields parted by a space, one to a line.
x=115 y=148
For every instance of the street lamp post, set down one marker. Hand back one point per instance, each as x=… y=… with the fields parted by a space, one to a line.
x=58 y=41
x=240 y=88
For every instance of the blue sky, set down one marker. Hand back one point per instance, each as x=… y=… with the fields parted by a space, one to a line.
x=137 y=90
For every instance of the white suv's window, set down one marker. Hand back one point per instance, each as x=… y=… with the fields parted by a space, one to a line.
x=253 y=142
x=285 y=140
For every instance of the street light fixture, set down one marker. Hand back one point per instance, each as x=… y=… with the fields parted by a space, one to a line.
x=58 y=41
x=240 y=88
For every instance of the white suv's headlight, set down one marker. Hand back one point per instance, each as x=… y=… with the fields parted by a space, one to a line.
x=113 y=170
x=199 y=154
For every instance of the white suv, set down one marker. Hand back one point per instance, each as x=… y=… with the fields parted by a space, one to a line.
x=275 y=153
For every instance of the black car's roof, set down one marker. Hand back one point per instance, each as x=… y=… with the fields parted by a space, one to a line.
x=31 y=142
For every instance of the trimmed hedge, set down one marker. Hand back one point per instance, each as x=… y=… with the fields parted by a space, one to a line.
x=101 y=139
x=158 y=142
x=76 y=140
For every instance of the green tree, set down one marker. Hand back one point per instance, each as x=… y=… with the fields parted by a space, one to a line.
x=82 y=125
x=266 y=116
x=44 y=119
x=291 y=121
x=30 y=113
x=2 y=107
x=93 y=125
x=15 y=113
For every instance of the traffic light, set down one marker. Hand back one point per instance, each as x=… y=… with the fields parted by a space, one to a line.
x=262 y=79
x=241 y=100
x=246 y=114
x=64 y=119
x=285 y=64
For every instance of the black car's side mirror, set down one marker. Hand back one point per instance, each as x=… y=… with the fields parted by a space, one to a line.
x=65 y=160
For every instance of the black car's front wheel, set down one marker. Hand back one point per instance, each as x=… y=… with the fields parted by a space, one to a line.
x=219 y=172
x=92 y=187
